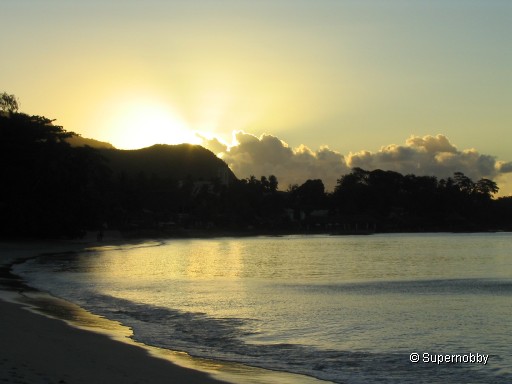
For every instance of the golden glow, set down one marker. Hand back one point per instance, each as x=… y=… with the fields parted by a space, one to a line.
x=142 y=122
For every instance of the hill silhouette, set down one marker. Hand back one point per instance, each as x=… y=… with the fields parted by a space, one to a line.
x=178 y=162
x=79 y=141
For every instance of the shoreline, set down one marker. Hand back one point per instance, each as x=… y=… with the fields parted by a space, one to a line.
x=40 y=349
x=47 y=339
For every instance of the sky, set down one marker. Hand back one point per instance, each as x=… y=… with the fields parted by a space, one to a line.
x=300 y=89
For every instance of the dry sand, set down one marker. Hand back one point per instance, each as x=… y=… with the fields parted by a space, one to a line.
x=36 y=349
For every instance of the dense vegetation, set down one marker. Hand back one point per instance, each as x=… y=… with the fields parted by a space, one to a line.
x=48 y=188
x=53 y=189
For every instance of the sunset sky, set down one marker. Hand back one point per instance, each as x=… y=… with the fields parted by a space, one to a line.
x=301 y=89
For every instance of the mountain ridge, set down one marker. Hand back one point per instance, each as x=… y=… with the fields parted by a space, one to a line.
x=80 y=141
x=175 y=161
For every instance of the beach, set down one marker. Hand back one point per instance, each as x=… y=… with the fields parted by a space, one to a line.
x=37 y=349
x=40 y=349
x=46 y=339
x=305 y=309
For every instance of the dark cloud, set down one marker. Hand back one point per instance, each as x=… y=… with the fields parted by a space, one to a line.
x=504 y=167
x=428 y=155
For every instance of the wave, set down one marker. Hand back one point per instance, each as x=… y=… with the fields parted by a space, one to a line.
x=226 y=339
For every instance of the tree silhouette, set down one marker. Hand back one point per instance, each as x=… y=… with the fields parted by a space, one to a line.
x=412 y=202
x=8 y=103
x=273 y=183
x=486 y=188
x=49 y=188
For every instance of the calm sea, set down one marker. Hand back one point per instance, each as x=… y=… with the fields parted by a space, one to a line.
x=346 y=309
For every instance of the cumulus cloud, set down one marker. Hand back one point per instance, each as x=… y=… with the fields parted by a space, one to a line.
x=428 y=155
x=439 y=143
x=214 y=144
x=267 y=154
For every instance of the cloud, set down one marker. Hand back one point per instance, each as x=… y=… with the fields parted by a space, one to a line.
x=267 y=155
x=439 y=143
x=214 y=144
x=504 y=167
x=428 y=155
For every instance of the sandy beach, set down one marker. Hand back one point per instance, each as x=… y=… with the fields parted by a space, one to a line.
x=36 y=349
x=39 y=349
x=48 y=340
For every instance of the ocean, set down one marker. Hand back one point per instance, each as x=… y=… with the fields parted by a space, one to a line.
x=345 y=309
